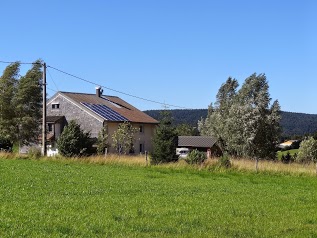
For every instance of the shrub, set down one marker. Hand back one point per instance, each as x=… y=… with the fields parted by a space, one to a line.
x=288 y=158
x=224 y=162
x=307 y=151
x=74 y=142
x=196 y=157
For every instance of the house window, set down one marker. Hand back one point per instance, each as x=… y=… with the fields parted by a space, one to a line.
x=141 y=129
x=55 y=105
x=141 y=148
x=50 y=127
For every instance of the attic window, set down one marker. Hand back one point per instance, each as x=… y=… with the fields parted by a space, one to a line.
x=55 y=105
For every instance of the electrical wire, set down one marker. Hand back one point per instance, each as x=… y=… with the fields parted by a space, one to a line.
x=11 y=62
x=114 y=90
x=52 y=79
x=96 y=84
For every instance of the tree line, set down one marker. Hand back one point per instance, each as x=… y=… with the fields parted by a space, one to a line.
x=20 y=104
x=294 y=125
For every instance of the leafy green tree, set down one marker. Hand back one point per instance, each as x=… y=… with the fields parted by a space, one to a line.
x=243 y=121
x=102 y=142
x=165 y=141
x=259 y=121
x=8 y=84
x=123 y=138
x=28 y=104
x=218 y=119
x=74 y=141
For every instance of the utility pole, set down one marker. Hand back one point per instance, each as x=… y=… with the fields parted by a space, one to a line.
x=44 y=112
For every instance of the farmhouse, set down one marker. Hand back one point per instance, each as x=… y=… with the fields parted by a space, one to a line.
x=95 y=111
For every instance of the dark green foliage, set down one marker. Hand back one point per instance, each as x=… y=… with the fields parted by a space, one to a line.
x=196 y=157
x=181 y=116
x=28 y=104
x=186 y=130
x=73 y=141
x=164 y=141
x=102 y=142
x=8 y=84
x=288 y=158
x=5 y=145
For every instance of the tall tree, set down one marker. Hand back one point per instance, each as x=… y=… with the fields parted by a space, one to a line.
x=218 y=119
x=243 y=121
x=28 y=104
x=164 y=141
x=8 y=84
x=261 y=129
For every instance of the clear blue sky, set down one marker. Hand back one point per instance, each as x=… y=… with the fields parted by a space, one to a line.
x=173 y=51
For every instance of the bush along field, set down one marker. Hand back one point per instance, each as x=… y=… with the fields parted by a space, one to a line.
x=124 y=197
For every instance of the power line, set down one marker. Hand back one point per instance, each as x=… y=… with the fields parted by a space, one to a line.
x=114 y=90
x=12 y=62
x=96 y=84
x=52 y=80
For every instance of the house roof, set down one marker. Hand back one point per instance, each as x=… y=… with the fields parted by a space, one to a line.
x=196 y=141
x=116 y=108
x=287 y=143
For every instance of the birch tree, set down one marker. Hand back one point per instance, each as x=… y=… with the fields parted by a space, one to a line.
x=218 y=121
x=123 y=138
x=244 y=121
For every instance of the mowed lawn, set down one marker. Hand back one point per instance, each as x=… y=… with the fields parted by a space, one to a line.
x=72 y=199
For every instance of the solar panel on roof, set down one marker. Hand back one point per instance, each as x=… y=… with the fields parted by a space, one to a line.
x=106 y=112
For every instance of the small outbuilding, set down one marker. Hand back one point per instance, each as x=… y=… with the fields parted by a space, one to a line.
x=202 y=143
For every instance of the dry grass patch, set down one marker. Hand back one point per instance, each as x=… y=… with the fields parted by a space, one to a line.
x=274 y=166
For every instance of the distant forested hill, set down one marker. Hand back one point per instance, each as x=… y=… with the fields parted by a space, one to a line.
x=292 y=123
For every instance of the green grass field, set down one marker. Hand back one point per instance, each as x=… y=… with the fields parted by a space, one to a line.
x=71 y=199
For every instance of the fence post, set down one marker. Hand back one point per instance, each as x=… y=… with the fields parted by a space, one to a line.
x=146 y=157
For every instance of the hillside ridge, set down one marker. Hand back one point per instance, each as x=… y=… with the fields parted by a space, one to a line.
x=293 y=123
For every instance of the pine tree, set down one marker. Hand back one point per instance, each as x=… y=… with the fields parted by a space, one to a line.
x=164 y=141
x=28 y=104
x=8 y=84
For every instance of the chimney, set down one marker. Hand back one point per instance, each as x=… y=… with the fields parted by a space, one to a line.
x=98 y=91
